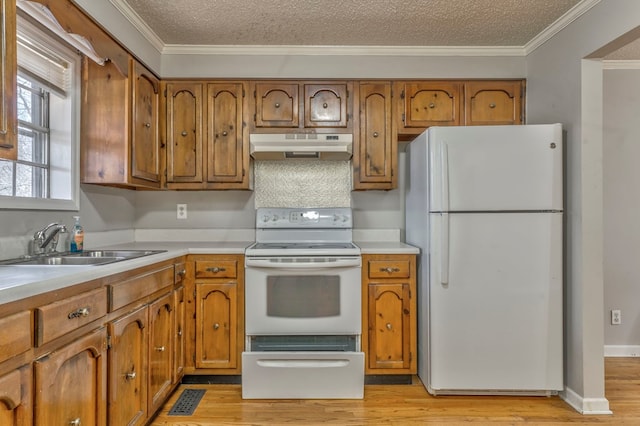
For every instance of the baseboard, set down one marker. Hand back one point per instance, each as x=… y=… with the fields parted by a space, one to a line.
x=621 y=350
x=587 y=406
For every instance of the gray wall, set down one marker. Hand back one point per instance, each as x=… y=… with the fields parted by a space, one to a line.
x=621 y=204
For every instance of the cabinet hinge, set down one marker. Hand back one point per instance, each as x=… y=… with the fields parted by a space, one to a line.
x=243 y=172
x=194 y=293
x=403 y=116
x=402 y=95
x=108 y=341
x=165 y=93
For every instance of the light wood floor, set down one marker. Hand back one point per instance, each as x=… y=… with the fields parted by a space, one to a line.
x=400 y=405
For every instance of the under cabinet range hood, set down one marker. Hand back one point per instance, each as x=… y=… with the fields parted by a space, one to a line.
x=283 y=146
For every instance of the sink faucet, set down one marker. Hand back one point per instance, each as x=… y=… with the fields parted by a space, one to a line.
x=46 y=243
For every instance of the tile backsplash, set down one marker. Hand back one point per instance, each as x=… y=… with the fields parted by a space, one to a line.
x=302 y=183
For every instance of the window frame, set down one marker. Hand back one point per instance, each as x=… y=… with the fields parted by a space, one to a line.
x=41 y=36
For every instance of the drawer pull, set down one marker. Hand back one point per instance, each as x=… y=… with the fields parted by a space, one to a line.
x=75 y=422
x=216 y=326
x=182 y=273
x=389 y=269
x=389 y=326
x=432 y=105
x=80 y=312
x=159 y=348
x=130 y=376
x=215 y=269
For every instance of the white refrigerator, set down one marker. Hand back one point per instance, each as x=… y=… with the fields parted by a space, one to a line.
x=485 y=206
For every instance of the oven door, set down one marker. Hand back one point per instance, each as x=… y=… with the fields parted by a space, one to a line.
x=303 y=295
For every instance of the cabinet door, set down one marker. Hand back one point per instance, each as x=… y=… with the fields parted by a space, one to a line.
x=375 y=158
x=493 y=102
x=160 y=351
x=15 y=397
x=71 y=385
x=8 y=71
x=128 y=354
x=179 y=334
x=227 y=158
x=389 y=325
x=145 y=144
x=325 y=105
x=184 y=132
x=428 y=104
x=216 y=325
x=276 y=105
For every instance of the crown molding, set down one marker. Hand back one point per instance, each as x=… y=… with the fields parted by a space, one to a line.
x=621 y=64
x=142 y=27
x=571 y=15
x=176 y=49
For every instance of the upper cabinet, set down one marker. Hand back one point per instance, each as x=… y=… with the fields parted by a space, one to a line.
x=8 y=70
x=493 y=102
x=206 y=135
x=422 y=104
x=316 y=106
x=120 y=144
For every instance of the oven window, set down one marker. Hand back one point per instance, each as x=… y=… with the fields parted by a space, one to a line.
x=303 y=296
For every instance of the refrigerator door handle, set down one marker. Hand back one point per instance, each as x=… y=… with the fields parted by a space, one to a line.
x=444 y=249
x=444 y=178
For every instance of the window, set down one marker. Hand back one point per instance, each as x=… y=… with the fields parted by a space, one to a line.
x=45 y=174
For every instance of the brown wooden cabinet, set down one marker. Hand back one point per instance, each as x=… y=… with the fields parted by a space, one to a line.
x=206 y=135
x=422 y=104
x=375 y=149
x=389 y=320
x=16 y=397
x=120 y=144
x=160 y=375
x=70 y=383
x=180 y=303
x=8 y=72
x=321 y=104
x=494 y=102
x=128 y=357
x=216 y=333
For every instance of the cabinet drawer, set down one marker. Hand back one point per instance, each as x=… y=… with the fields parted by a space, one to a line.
x=58 y=318
x=216 y=269
x=15 y=334
x=128 y=291
x=389 y=268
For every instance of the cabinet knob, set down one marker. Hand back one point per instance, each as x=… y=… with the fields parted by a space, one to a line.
x=159 y=348
x=182 y=273
x=375 y=134
x=492 y=105
x=216 y=326
x=75 y=422
x=224 y=133
x=325 y=105
x=277 y=105
x=389 y=327
x=389 y=269
x=432 y=105
x=130 y=376
x=184 y=133
x=80 y=312
x=216 y=269
x=179 y=332
x=147 y=125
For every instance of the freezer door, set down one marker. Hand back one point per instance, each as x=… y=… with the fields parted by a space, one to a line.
x=495 y=168
x=495 y=302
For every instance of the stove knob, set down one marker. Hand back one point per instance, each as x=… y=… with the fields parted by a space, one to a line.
x=275 y=218
x=265 y=218
x=336 y=217
x=345 y=218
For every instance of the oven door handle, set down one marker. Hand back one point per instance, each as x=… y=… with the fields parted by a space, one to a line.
x=275 y=264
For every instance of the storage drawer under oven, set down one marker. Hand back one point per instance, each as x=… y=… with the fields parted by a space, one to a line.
x=310 y=375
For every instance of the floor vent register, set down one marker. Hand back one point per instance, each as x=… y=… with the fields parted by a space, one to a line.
x=187 y=402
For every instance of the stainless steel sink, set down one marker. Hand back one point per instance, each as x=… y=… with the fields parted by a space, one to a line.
x=87 y=257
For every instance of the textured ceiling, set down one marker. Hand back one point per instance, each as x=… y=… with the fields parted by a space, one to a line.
x=349 y=22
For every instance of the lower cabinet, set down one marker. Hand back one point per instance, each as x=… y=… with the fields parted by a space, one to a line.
x=16 y=396
x=70 y=386
x=389 y=319
x=128 y=354
x=159 y=383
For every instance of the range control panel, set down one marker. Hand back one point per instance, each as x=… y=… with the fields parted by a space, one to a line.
x=339 y=217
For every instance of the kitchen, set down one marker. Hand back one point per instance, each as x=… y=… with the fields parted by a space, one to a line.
x=553 y=73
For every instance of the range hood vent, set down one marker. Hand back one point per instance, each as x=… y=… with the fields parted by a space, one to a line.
x=283 y=146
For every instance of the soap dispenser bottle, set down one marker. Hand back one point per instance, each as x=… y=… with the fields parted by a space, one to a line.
x=77 y=236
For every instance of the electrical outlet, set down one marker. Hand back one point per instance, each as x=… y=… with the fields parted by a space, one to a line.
x=616 y=317
x=181 y=211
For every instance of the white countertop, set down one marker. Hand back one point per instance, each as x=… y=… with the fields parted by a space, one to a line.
x=22 y=281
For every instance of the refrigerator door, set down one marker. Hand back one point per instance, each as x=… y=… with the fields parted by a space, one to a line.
x=495 y=303
x=495 y=168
